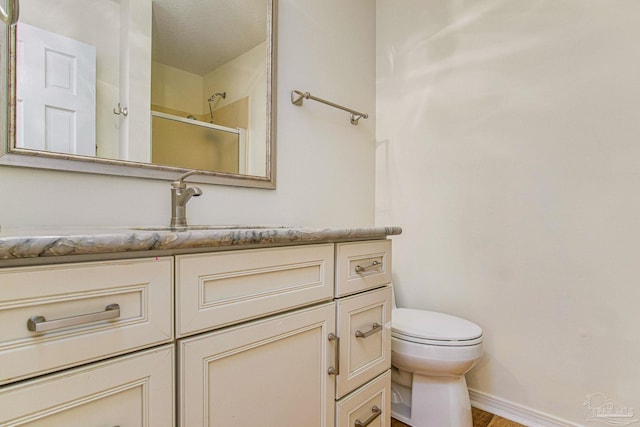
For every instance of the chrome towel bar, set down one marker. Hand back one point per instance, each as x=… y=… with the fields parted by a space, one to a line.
x=297 y=97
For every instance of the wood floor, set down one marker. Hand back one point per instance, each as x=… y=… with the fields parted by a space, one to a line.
x=480 y=419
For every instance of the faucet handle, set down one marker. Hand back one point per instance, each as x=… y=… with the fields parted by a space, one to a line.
x=178 y=181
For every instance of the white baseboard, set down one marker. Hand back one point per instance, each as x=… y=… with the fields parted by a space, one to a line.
x=515 y=412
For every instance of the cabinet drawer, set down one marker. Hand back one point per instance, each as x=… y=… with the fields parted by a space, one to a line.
x=133 y=390
x=141 y=288
x=364 y=328
x=362 y=265
x=269 y=372
x=370 y=405
x=214 y=290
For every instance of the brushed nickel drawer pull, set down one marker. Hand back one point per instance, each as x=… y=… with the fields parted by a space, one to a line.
x=360 y=269
x=336 y=370
x=376 y=413
x=376 y=327
x=40 y=324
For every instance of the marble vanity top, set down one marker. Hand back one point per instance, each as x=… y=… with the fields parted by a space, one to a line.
x=42 y=243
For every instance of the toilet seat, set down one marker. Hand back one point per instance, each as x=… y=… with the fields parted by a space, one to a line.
x=433 y=328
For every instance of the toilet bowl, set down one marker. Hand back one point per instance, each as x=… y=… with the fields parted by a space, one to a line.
x=430 y=354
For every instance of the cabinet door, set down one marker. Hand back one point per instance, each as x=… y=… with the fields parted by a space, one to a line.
x=268 y=373
x=364 y=328
x=133 y=390
x=370 y=405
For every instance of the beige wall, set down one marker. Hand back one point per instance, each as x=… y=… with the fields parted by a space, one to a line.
x=325 y=167
x=176 y=89
x=508 y=151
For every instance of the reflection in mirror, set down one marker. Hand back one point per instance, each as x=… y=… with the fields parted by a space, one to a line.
x=163 y=85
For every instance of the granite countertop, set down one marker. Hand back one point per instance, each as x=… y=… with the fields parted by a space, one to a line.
x=46 y=242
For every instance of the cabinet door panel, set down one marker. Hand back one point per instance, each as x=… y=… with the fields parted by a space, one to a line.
x=363 y=357
x=267 y=373
x=133 y=390
x=142 y=288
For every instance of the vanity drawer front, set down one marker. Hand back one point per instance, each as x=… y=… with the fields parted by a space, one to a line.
x=370 y=405
x=364 y=328
x=134 y=390
x=78 y=294
x=362 y=265
x=215 y=290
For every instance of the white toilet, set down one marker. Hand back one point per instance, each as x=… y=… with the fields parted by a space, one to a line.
x=430 y=353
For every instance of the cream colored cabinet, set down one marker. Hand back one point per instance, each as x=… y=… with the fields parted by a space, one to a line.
x=59 y=316
x=271 y=372
x=283 y=336
x=132 y=390
x=364 y=299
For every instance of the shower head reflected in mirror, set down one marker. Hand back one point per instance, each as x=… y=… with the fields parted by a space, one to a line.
x=215 y=97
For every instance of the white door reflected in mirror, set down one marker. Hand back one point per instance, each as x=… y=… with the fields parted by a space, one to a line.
x=56 y=93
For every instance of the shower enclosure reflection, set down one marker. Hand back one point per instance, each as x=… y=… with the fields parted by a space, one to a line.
x=199 y=143
x=228 y=94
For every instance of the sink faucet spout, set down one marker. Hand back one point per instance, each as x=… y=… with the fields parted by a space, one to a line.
x=180 y=195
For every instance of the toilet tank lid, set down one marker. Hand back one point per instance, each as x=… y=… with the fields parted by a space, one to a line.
x=433 y=325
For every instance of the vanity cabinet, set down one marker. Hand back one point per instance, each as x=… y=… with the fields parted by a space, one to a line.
x=279 y=336
x=364 y=304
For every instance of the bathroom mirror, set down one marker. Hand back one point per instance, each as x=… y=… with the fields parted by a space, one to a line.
x=145 y=88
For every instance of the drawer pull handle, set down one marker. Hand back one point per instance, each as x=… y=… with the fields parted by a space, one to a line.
x=336 y=370
x=376 y=413
x=40 y=324
x=360 y=269
x=376 y=327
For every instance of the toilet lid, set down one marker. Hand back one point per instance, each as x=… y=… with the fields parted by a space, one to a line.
x=432 y=327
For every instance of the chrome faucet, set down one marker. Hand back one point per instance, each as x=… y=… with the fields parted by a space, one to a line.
x=180 y=195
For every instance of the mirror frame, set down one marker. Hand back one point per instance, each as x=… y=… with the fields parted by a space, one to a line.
x=11 y=156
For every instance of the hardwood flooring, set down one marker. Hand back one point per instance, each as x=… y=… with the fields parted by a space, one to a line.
x=480 y=419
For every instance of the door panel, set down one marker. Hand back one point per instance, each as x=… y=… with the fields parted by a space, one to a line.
x=56 y=93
